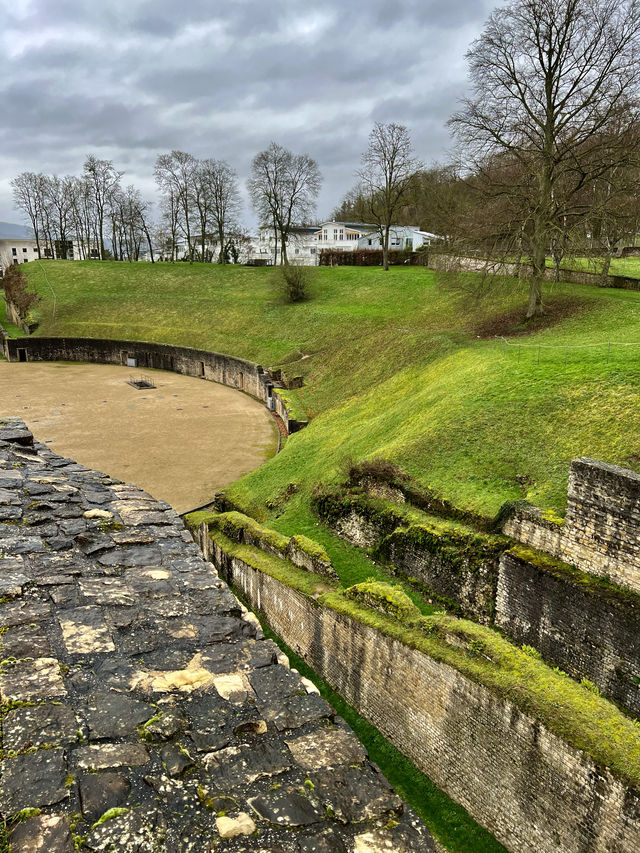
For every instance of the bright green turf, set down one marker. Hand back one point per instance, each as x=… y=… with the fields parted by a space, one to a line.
x=395 y=371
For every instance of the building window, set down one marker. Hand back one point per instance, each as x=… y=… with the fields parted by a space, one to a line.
x=325 y=235
x=35 y=250
x=371 y=242
x=313 y=250
x=335 y=233
x=15 y=252
x=24 y=250
x=341 y=234
x=297 y=251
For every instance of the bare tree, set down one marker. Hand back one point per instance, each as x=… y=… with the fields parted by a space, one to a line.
x=224 y=194
x=28 y=197
x=283 y=187
x=175 y=175
x=388 y=167
x=104 y=182
x=554 y=89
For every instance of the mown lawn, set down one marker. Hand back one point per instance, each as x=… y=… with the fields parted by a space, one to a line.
x=394 y=367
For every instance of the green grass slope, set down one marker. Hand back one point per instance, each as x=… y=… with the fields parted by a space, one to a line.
x=394 y=367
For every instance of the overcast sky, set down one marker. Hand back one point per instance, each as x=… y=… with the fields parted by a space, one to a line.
x=128 y=79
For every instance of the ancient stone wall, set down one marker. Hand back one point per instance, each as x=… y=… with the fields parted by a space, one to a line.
x=601 y=531
x=458 y=568
x=587 y=628
x=226 y=369
x=452 y=263
x=525 y=785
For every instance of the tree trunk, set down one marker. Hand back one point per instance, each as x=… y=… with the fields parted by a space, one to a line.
x=221 y=259
x=385 y=248
x=606 y=266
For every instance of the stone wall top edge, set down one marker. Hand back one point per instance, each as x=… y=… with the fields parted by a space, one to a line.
x=587 y=466
x=31 y=341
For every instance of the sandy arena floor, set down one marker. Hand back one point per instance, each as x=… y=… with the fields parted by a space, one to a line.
x=181 y=441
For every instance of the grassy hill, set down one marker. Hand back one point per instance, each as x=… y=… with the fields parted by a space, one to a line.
x=467 y=399
x=394 y=367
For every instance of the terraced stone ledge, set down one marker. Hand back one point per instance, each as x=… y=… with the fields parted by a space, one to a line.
x=142 y=708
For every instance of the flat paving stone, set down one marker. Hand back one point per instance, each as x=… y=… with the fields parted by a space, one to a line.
x=33 y=781
x=38 y=726
x=47 y=833
x=151 y=708
x=100 y=792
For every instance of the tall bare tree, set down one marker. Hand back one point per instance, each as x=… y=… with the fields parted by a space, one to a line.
x=104 y=182
x=283 y=187
x=554 y=88
x=28 y=198
x=224 y=194
x=388 y=167
x=175 y=174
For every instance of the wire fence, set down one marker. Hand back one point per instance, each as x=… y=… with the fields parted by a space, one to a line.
x=606 y=352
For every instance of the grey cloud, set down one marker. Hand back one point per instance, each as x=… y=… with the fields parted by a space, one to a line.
x=130 y=78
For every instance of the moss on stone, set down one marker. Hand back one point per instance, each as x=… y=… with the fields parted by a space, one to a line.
x=588 y=583
x=280 y=569
x=308 y=546
x=581 y=718
x=384 y=597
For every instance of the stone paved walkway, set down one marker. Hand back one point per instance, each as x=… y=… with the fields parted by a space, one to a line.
x=142 y=709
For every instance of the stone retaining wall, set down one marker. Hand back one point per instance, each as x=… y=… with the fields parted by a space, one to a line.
x=226 y=369
x=588 y=629
x=525 y=785
x=451 y=263
x=601 y=530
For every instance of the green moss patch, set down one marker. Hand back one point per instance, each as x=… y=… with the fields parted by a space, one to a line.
x=583 y=719
x=280 y=569
x=592 y=584
x=383 y=597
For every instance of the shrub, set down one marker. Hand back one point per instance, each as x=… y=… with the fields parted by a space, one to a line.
x=15 y=291
x=293 y=282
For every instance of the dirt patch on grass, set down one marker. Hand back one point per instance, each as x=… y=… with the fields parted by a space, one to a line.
x=513 y=324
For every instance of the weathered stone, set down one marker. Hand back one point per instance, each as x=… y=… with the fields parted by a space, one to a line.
x=239 y=766
x=100 y=792
x=133 y=555
x=286 y=808
x=112 y=715
x=33 y=780
x=108 y=755
x=296 y=711
x=167 y=725
x=26 y=641
x=32 y=679
x=22 y=612
x=135 y=831
x=274 y=683
x=84 y=631
x=231 y=827
x=107 y=591
x=326 y=842
x=355 y=794
x=43 y=834
x=38 y=726
x=328 y=747
x=175 y=760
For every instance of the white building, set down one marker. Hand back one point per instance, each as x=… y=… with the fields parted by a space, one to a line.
x=17 y=250
x=21 y=250
x=306 y=242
